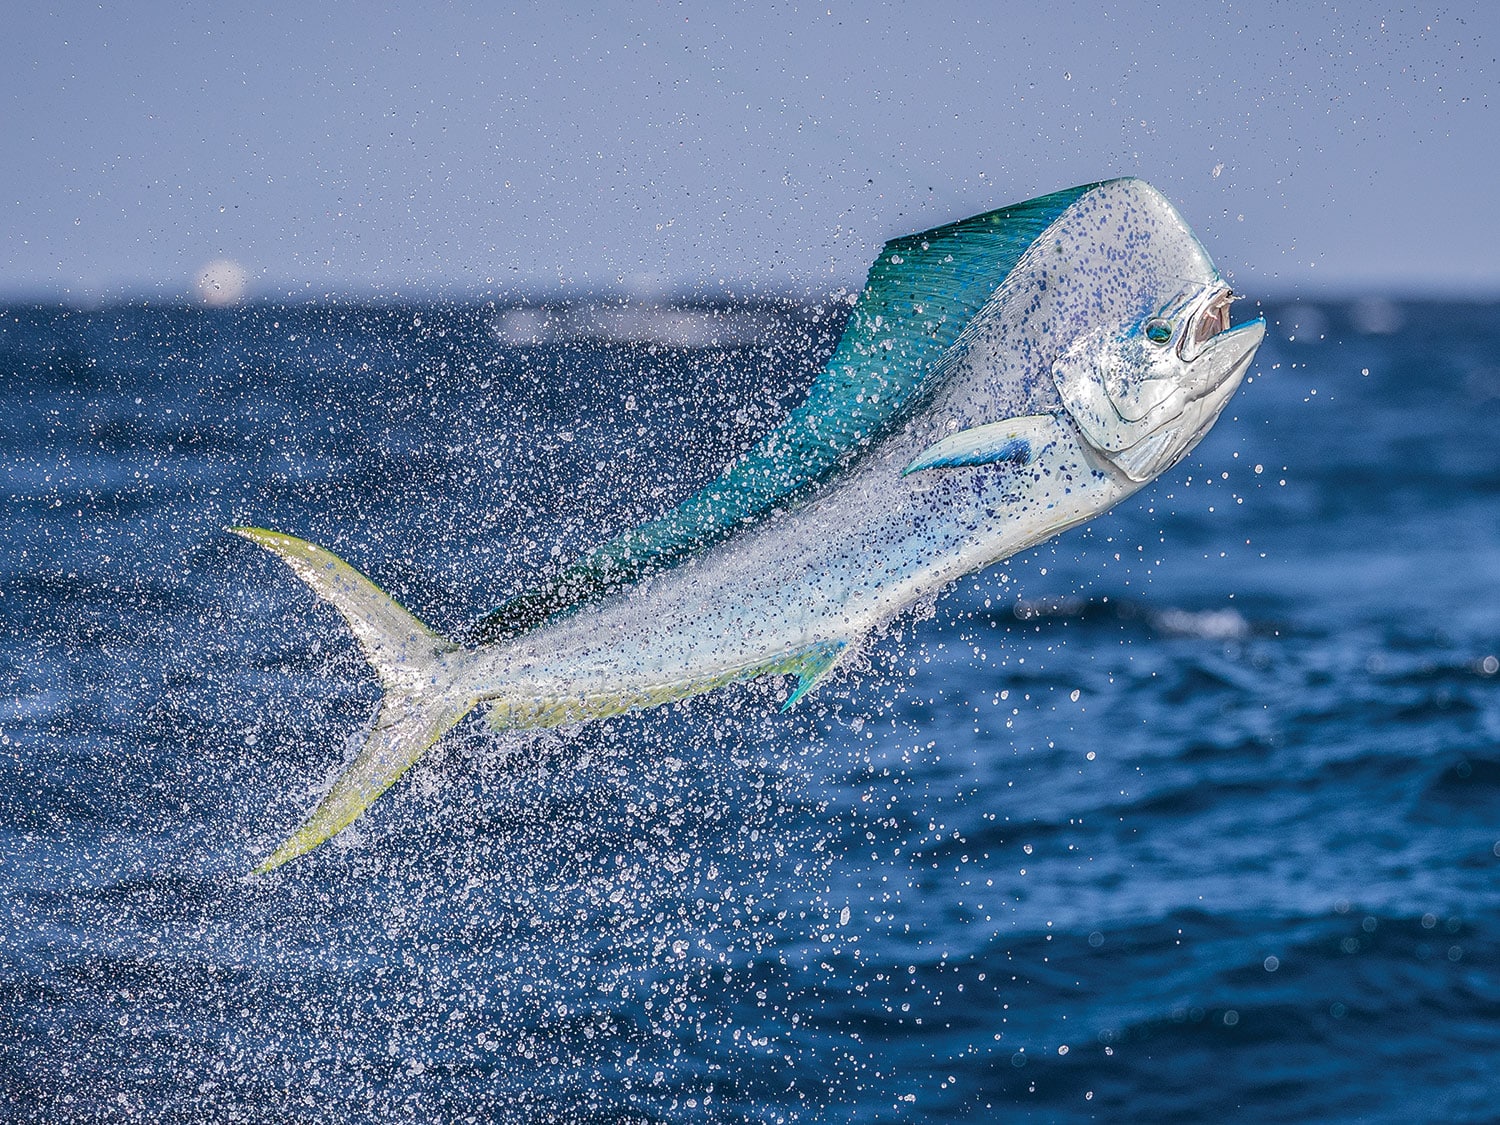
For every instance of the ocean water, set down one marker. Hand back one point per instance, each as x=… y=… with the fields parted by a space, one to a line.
x=1192 y=814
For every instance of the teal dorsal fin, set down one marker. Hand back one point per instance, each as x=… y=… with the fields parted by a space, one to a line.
x=811 y=668
x=921 y=293
x=1017 y=440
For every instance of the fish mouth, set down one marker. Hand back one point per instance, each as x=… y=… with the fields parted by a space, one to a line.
x=1208 y=322
x=1225 y=356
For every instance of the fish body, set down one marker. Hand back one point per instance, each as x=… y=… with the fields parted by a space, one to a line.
x=1000 y=380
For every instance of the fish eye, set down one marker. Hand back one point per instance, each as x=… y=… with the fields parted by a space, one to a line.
x=1158 y=331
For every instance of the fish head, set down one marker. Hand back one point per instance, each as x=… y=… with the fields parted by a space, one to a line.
x=1154 y=359
x=1144 y=393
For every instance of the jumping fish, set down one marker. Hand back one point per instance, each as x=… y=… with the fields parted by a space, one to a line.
x=999 y=380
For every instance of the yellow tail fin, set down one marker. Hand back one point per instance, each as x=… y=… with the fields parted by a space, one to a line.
x=417 y=668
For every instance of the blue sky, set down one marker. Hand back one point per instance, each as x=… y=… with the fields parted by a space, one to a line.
x=345 y=148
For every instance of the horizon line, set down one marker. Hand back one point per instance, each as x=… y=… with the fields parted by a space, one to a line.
x=720 y=293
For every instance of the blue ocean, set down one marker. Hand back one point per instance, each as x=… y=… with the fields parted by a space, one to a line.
x=1192 y=814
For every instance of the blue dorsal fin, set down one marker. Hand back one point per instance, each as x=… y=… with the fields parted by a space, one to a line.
x=921 y=293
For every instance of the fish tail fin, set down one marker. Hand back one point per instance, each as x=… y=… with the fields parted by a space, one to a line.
x=417 y=669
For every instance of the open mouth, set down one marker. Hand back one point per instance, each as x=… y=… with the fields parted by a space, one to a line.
x=1211 y=319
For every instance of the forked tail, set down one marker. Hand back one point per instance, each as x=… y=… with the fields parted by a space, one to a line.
x=417 y=670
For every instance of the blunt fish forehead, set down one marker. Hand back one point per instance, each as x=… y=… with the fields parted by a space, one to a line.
x=1129 y=255
x=1118 y=255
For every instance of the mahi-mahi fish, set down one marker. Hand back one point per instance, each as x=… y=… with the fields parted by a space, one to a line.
x=999 y=380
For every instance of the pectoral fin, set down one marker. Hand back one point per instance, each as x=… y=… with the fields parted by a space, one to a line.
x=1016 y=440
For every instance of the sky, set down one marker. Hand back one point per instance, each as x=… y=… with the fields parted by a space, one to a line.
x=656 y=149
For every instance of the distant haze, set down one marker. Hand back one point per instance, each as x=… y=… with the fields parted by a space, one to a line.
x=200 y=151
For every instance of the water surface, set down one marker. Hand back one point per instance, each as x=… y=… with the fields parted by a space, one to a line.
x=1193 y=814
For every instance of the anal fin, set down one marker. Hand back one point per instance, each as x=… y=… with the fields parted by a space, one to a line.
x=811 y=667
